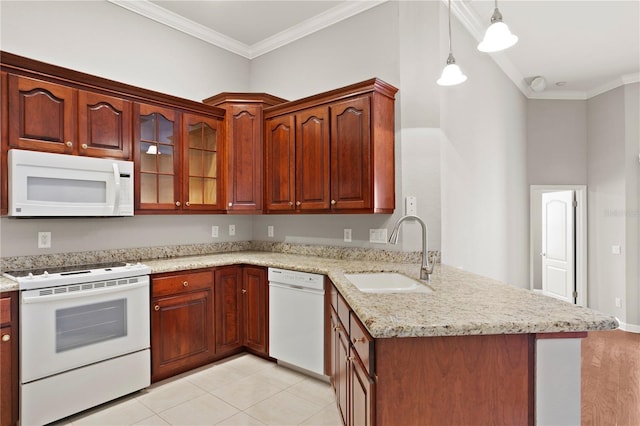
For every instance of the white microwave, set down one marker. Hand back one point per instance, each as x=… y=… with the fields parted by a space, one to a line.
x=45 y=184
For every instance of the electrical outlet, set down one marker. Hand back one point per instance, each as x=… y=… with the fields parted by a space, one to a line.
x=616 y=249
x=411 y=205
x=214 y=231
x=232 y=230
x=378 y=236
x=44 y=239
x=270 y=231
x=618 y=303
x=347 y=235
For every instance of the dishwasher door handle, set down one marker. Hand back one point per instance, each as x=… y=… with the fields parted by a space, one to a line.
x=294 y=287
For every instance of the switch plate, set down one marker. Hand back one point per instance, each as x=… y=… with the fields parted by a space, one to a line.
x=378 y=236
x=347 y=235
x=232 y=230
x=214 y=231
x=618 y=303
x=616 y=249
x=411 y=205
x=270 y=231
x=44 y=239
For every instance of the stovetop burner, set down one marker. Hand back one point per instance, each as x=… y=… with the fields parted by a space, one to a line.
x=65 y=270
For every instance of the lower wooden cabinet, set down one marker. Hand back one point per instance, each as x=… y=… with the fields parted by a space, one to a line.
x=9 y=358
x=350 y=373
x=181 y=323
x=201 y=316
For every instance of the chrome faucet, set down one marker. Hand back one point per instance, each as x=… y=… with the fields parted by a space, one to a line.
x=426 y=268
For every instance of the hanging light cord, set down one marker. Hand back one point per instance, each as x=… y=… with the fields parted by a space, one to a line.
x=450 y=27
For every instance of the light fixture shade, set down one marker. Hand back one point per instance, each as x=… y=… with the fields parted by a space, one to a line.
x=498 y=37
x=451 y=74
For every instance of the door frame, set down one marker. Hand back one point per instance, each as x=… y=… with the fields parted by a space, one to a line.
x=581 y=235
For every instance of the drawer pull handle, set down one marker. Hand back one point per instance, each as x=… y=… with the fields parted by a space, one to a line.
x=185 y=283
x=157 y=307
x=69 y=144
x=361 y=340
x=6 y=337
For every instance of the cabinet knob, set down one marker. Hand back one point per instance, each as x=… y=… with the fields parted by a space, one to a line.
x=336 y=327
x=351 y=358
x=69 y=144
x=6 y=337
x=354 y=340
x=290 y=203
x=157 y=307
x=333 y=202
x=178 y=203
x=298 y=203
x=185 y=284
x=230 y=204
x=187 y=204
x=84 y=146
x=244 y=290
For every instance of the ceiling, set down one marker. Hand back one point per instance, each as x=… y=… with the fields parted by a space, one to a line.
x=586 y=46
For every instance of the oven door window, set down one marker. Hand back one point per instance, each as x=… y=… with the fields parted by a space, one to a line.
x=86 y=325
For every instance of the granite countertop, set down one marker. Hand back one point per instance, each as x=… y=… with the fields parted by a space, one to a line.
x=461 y=303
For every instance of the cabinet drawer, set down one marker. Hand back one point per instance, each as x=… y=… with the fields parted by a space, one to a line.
x=343 y=312
x=181 y=283
x=362 y=343
x=5 y=310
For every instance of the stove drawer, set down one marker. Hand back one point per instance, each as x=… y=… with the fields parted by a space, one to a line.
x=180 y=283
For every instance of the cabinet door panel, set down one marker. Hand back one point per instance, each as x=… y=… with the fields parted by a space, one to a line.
x=104 y=124
x=41 y=115
x=255 y=308
x=157 y=158
x=280 y=163
x=181 y=337
x=362 y=395
x=6 y=383
x=245 y=158
x=201 y=137
x=312 y=159
x=351 y=154
x=342 y=373
x=228 y=308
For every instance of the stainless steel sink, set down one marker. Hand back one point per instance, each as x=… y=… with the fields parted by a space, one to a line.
x=386 y=282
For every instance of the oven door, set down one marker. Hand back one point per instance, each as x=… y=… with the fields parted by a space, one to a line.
x=66 y=327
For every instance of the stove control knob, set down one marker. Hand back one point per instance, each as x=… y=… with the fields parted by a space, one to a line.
x=127 y=265
x=45 y=274
x=30 y=275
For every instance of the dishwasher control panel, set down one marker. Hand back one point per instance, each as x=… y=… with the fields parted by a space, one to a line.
x=296 y=278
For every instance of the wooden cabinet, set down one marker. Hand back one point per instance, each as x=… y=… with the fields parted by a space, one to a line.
x=244 y=148
x=4 y=132
x=229 y=305
x=177 y=160
x=339 y=159
x=51 y=117
x=181 y=322
x=9 y=358
x=255 y=292
x=351 y=372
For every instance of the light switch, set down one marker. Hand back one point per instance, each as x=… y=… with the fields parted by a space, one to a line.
x=270 y=231
x=378 y=236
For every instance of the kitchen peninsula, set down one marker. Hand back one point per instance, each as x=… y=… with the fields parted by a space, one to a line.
x=471 y=349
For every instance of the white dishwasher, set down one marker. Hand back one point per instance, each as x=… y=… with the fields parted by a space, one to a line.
x=296 y=319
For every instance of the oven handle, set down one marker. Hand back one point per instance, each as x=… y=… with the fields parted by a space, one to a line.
x=116 y=177
x=26 y=298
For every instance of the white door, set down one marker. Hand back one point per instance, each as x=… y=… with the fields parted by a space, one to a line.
x=558 y=241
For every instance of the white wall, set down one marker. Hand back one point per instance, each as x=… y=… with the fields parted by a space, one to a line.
x=484 y=182
x=100 y=38
x=606 y=200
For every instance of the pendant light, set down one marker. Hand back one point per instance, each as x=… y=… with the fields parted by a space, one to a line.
x=451 y=74
x=498 y=37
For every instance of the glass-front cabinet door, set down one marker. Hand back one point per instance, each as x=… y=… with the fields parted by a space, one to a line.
x=202 y=138
x=157 y=158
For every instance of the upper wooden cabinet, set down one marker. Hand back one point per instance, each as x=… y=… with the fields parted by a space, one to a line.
x=332 y=152
x=46 y=116
x=244 y=148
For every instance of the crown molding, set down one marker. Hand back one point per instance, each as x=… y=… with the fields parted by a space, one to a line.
x=187 y=26
x=311 y=25
x=332 y=16
x=621 y=81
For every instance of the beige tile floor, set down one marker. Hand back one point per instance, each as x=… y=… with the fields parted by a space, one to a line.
x=242 y=390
